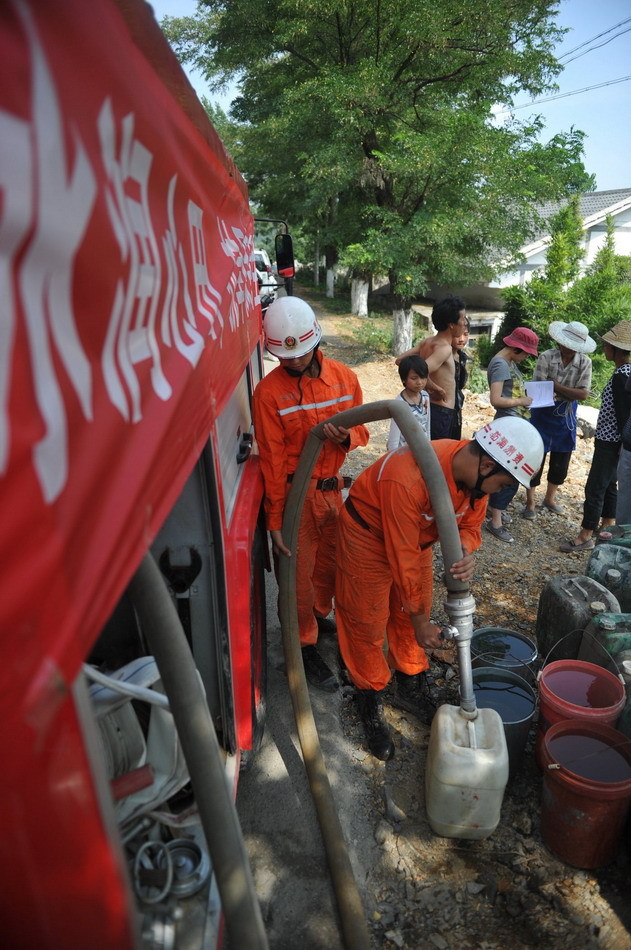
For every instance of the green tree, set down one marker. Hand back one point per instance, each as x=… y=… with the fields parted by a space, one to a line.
x=566 y=250
x=545 y=297
x=374 y=123
x=599 y=298
x=602 y=296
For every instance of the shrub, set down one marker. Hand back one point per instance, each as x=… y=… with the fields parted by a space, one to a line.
x=376 y=334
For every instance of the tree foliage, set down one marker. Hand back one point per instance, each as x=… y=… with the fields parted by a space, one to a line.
x=373 y=124
x=602 y=297
x=545 y=297
x=566 y=250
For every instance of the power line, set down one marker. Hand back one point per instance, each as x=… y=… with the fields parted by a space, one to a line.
x=598 y=46
x=597 y=37
x=564 y=95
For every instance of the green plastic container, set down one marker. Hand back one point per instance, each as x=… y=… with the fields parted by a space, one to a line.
x=610 y=565
x=606 y=635
x=566 y=606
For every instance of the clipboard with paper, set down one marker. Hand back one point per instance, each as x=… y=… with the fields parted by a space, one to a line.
x=541 y=392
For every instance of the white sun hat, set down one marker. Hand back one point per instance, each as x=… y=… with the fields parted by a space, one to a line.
x=575 y=336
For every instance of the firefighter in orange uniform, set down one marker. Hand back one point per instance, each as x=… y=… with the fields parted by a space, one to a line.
x=384 y=560
x=304 y=390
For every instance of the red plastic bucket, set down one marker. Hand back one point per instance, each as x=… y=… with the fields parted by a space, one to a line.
x=582 y=817
x=574 y=689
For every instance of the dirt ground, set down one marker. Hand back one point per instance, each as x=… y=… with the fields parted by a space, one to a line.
x=508 y=891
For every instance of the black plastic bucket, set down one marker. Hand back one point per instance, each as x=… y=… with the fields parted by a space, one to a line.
x=506 y=649
x=515 y=701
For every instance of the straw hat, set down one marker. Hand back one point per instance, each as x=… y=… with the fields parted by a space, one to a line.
x=523 y=338
x=574 y=336
x=619 y=336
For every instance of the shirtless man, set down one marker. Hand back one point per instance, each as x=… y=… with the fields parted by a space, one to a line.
x=450 y=319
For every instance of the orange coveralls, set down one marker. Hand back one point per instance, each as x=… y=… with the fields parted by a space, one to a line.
x=285 y=409
x=384 y=571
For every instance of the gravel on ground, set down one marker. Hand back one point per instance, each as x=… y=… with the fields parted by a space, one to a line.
x=508 y=891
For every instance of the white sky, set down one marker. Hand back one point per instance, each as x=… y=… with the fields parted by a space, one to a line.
x=604 y=113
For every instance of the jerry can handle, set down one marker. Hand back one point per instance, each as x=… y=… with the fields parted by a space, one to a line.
x=572 y=633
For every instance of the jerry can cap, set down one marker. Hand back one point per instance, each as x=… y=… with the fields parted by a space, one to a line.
x=613 y=574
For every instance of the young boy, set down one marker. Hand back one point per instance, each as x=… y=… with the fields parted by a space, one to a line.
x=449 y=317
x=413 y=372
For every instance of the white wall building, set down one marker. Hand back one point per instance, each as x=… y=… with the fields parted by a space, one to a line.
x=595 y=207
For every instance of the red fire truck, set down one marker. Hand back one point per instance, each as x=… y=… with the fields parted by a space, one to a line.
x=130 y=347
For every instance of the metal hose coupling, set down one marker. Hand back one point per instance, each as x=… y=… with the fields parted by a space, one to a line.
x=460 y=610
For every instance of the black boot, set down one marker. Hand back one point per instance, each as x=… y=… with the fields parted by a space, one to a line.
x=316 y=670
x=326 y=625
x=412 y=693
x=377 y=730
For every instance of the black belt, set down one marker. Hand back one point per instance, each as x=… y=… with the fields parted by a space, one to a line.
x=355 y=515
x=330 y=484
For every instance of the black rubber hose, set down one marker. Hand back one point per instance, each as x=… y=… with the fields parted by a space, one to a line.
x=166 y=639
x=350 y=908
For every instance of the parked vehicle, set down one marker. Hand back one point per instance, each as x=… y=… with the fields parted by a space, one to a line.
x=264 y=267
x=267 y=292
x=131 y=345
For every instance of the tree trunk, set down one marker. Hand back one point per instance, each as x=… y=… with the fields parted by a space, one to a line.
x=402 y=324
x=331 y=259
x=359 y=296
x=330 y=282
x=316 y=263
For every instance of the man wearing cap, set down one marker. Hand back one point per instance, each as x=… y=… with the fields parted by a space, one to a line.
x=601 y=488
x=304 y=390
x=384 y=581
x=570 y=369
x=508 y=398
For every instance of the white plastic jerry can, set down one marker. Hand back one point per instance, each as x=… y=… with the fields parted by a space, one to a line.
x=466 y=773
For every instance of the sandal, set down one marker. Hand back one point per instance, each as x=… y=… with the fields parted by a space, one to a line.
x=569 y=547
x=501 y=533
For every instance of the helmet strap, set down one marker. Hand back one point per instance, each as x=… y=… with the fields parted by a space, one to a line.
x=477 y=491
x=297 y=373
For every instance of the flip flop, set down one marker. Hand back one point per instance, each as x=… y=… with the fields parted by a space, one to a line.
x=569 y=547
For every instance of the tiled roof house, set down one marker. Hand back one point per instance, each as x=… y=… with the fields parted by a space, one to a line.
x=594 y=207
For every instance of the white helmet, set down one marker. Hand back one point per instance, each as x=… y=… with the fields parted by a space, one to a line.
x=515 y=444
x=290 y=327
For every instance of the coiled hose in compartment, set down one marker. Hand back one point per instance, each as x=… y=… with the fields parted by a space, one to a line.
x=167 y=642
